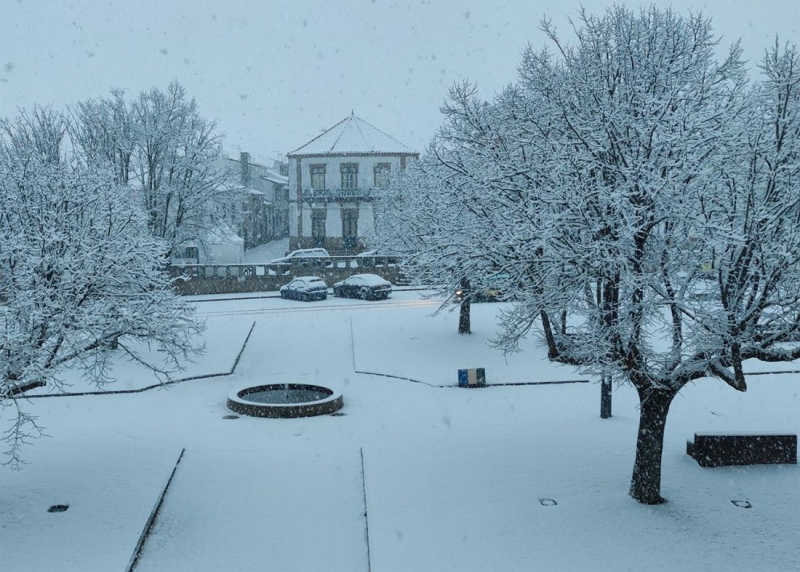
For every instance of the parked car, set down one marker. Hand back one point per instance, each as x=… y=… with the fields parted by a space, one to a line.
x=302 y=253
x=491 y=292
x=305 y=288
x=364 y=286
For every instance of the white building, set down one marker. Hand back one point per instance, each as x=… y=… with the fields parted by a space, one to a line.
x=265 y=209
x=331 y=179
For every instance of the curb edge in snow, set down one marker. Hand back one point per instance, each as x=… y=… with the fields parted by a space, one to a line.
x=366 y=511
x=510 y=384
x=154 y=386
x=148 y=526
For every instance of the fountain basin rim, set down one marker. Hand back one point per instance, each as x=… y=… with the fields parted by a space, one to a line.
x=329 y=404
x=234 y=395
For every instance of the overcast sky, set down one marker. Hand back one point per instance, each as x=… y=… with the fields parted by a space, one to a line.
x=274 y=74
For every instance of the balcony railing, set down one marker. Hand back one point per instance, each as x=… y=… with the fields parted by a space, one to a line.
x=333 y=194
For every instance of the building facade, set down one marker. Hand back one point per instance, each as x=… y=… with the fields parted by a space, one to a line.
x=332 y=179
x=265 y=208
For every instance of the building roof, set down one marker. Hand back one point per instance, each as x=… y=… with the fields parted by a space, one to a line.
x=223 y=234
x=275 y=177
x=352 y=136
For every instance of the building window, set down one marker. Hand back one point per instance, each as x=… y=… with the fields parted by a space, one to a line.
x=382 y=175
x=349 y=175
x=318 y=217
x=317 y=177
x=350 y=228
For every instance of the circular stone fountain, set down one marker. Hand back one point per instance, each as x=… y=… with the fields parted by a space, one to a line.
x=285 y=400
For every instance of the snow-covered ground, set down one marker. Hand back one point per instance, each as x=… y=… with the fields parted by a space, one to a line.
x=437 y=353
x=217 y=357
x=503 y=478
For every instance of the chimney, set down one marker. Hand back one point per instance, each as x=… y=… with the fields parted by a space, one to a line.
x=244 y=161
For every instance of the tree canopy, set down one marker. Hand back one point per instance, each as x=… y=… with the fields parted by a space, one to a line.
x=639 y=197
x=159 y=145
x=81 y=275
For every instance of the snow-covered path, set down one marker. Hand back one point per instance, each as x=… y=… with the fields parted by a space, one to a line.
x=282 y=507
x=110 y=484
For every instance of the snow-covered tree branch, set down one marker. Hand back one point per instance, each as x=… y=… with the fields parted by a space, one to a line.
x=639 y=199
x=80 y=273
x=160 y=145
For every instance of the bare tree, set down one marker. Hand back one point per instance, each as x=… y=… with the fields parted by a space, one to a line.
x=434 y=214
x=105 y=133
x=642 y=201
x=668 y=169
x=160 y=145
x=79 y=271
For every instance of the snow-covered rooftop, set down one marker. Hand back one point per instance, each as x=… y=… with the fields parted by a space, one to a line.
x=275 y=177
x=353 y=135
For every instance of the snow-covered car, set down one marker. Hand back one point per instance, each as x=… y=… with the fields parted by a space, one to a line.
x=305 y=288
x=302 y=253
x=364 y=286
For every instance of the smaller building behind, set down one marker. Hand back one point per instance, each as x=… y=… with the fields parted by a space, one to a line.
x=265 y=207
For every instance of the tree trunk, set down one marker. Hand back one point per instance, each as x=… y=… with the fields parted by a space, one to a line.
x=464 y=326
x=552 y=348
x=605 y=396
x=646 y=480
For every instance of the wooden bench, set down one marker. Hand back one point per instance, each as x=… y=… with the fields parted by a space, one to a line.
x=718 y=450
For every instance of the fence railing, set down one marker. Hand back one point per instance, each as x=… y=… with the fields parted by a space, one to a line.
x=233 y=278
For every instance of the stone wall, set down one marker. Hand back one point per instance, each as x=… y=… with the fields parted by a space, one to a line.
x=199 y=279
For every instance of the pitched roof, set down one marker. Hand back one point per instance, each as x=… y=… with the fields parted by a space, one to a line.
x=353 y=135
x=275 y=177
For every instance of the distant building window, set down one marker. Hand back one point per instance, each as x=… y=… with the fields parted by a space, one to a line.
x=317 y=177
x=382 y=171
x=318 y=217
x=350 y=228
x=349 y=175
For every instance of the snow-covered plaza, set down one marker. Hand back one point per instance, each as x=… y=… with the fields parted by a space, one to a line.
x=408 y=477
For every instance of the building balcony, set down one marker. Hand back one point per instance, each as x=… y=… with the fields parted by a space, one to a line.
x=336 y=194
